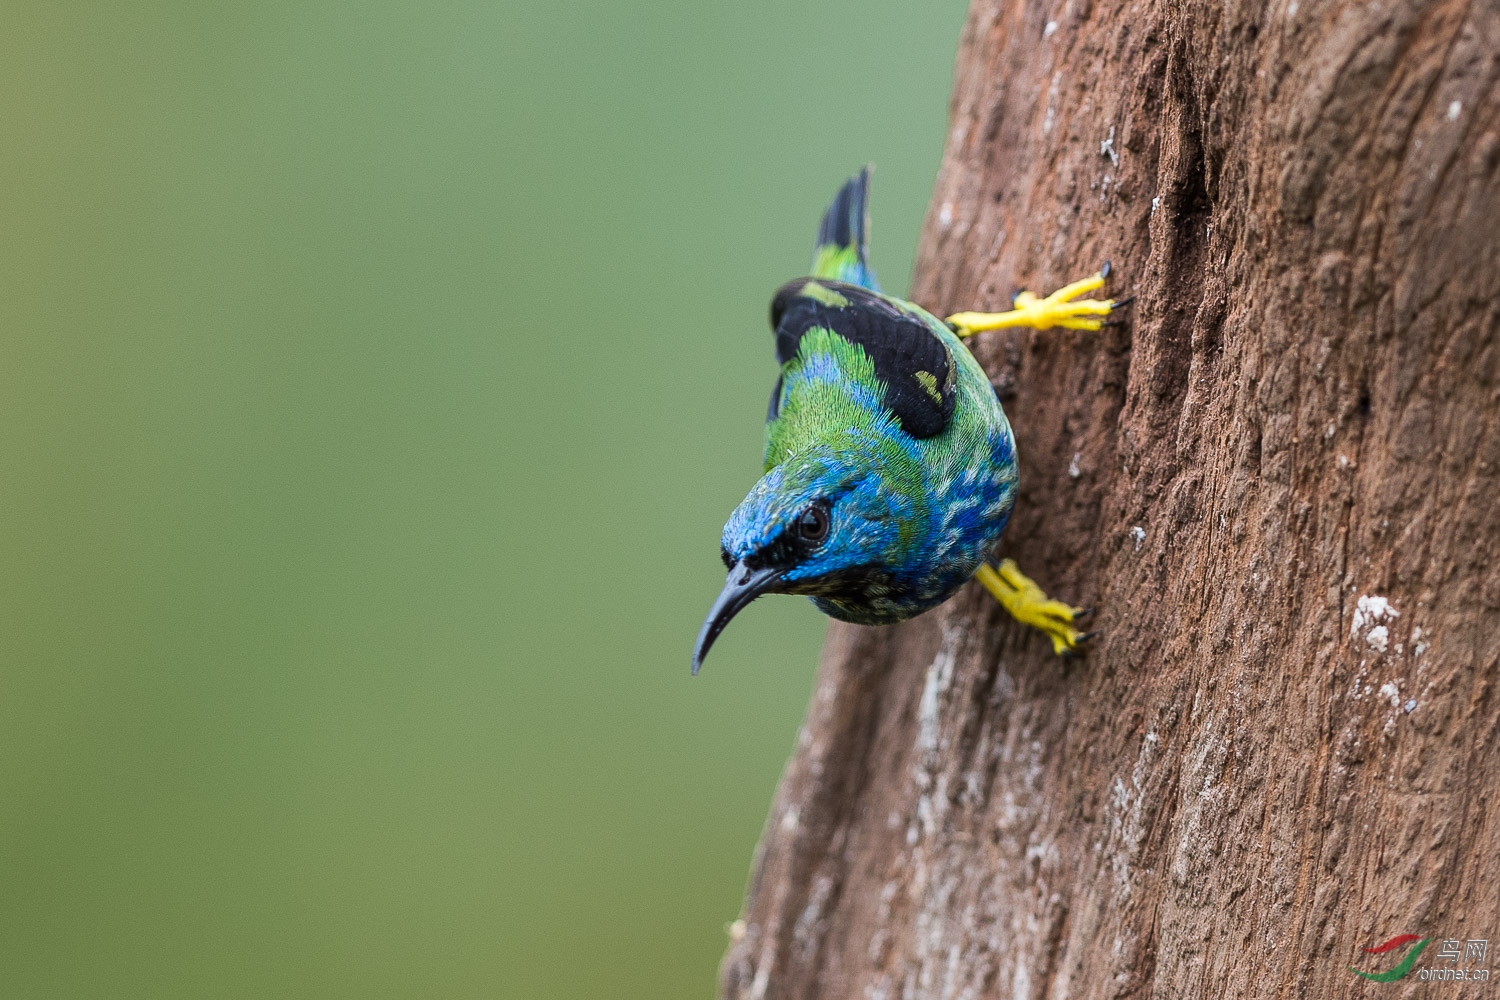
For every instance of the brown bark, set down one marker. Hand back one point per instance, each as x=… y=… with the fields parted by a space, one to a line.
x=1238 y=787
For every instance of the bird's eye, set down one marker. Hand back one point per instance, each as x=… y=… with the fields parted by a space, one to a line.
x=812 y=524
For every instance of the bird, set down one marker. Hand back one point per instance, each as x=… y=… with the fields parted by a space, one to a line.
x=890 y=466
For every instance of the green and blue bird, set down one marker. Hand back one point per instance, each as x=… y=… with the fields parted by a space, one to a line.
x=890 y=468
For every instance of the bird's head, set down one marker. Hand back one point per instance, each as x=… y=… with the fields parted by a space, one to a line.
x=824 y=523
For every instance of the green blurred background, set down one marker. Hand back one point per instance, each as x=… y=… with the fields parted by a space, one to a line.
x=374 y=382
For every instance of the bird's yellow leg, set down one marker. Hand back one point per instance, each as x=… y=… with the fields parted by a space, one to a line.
x=1028 y=605
x=1057 y=309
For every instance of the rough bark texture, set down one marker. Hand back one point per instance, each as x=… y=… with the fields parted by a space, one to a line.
x=1250 y=776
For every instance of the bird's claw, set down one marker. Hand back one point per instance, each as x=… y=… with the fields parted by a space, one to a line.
x=1061 y=308
x=1029 y=605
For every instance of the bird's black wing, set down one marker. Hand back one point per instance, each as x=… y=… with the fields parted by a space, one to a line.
x=913 y=363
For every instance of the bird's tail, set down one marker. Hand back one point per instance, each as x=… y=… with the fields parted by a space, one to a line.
x=843 y=238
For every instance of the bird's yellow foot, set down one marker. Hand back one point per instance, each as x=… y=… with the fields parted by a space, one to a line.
x=1028 y=605
x=1057 y=309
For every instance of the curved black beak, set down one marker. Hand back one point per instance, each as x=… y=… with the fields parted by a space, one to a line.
x=743 y=586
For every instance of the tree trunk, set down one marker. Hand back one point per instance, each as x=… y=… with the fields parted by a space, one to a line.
x=1278 y=483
